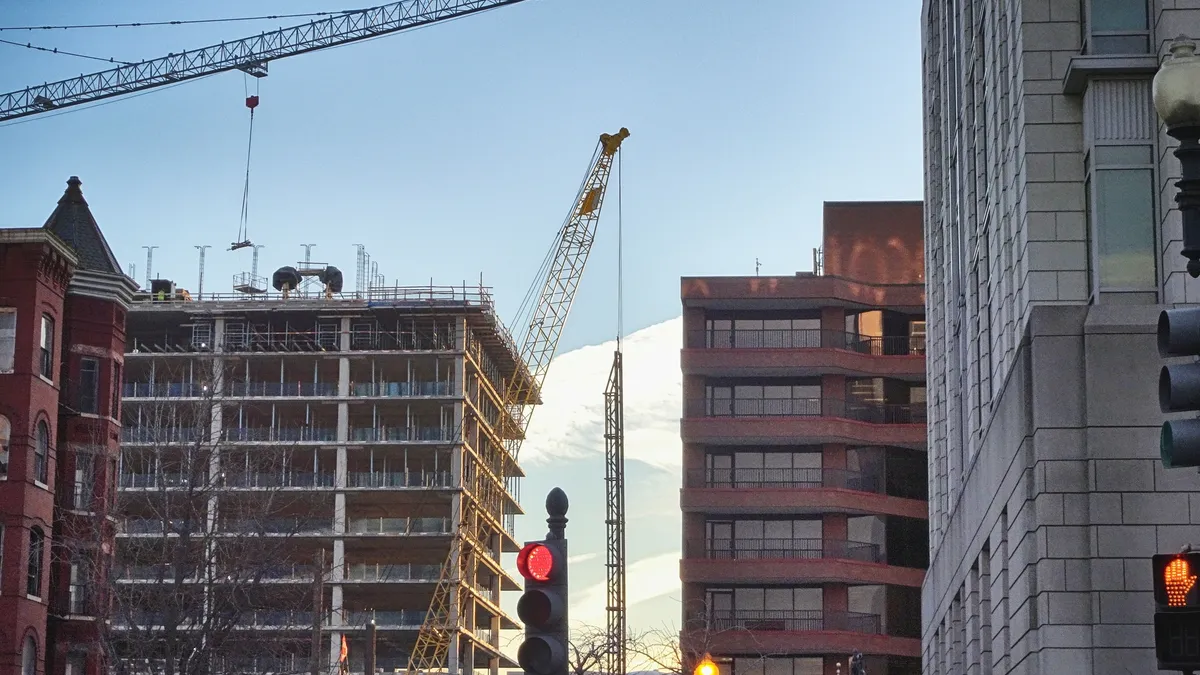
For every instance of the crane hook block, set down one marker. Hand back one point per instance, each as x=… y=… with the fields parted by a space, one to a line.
x=252 y=102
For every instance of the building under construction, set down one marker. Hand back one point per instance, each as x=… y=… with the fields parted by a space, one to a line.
x=318 y=451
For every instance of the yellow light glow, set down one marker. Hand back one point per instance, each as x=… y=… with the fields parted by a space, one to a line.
x=1178 y=578
x=705 y=667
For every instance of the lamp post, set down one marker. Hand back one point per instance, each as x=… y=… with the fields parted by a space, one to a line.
x=1177 y=100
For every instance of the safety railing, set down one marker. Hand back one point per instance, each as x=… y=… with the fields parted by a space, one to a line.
x=304 y=434
x=795 y=620
x=784 y=478
x=405 y=618
x=870 y=412
x=402 y=434
x=164 y=390
x=274 y=479
x=367 y=572
x=399 y=479
x=806 y=338
x=281 y=389
x=383 y=525
x=784 y=549
x=394 y=389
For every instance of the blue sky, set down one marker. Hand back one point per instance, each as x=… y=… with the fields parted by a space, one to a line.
x=455 y=150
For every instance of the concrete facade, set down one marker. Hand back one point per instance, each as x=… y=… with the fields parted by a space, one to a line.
x=804 y=461
x=1051 y=240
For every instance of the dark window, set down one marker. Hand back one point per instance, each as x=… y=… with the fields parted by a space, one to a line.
x=41 y=453
x=33 y=577
x=1118 y=27
x=47 y=346
x=5 y=439
x=89 y=385
x=85 y=481
x=115 y=411
x=8 y=339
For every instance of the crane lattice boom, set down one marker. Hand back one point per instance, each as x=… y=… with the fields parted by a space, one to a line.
x=483 y=499
x=249 y=54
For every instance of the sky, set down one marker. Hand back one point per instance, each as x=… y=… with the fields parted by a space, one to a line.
x=454 y=152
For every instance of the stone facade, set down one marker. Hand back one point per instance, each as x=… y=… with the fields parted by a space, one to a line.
x=1051 y=238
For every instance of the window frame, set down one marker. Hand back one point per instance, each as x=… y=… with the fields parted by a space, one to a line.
x=41 y=453
x=1093 y=221
x=8 y=342
x=83 y=491
x=1087 y=35
x=46 y=348
x=114 y=410
x=5 y=448
x=89 y=393
x=35 y=562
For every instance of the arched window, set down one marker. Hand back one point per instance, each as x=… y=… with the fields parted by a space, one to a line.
x=29 y=656
x=5 y=439
x=33 y=576
x=41 y=453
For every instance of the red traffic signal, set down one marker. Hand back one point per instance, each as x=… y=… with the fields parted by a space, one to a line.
x=535 y=561
x=1175 y=579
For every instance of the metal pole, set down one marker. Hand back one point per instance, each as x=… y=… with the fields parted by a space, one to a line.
x=149 y=261
x=200 y=283
x=318 y=611
x=254 y=262
x=307 y=253
x=369 y=665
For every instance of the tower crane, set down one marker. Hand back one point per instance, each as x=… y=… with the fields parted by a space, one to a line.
x=250 y=55
x=481 y=509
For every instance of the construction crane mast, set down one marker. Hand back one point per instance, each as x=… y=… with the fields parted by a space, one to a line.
x=483 y=500
x=249 y=55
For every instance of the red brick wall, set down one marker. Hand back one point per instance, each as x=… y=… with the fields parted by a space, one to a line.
x=874 y=242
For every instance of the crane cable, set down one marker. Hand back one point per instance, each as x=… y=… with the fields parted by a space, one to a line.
x=620 y=253
x=243 y=239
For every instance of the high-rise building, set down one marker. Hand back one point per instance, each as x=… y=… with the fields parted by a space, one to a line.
x=1052 y=241
x=315 y=449
x=63 y=301
x=804 y=512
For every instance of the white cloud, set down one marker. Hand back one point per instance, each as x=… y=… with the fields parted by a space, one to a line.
x=645 y=579
x=570 y=424
x=582 y=557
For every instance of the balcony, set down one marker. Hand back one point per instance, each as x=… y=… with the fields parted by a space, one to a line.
x=793 y=491
x=802 y=353
x=806 y=338
x=376 y=573
x=785 y=549
x=775 y=620
x=808 y=420
x=786 y=561
x=795 y=478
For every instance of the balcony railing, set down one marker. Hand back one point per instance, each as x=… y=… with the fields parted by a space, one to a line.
x=785 y=549
x=402 y=434
x=784 y=478
x=285 y=526
x=399 y=479
x=873 y=413
x=281 y=389
x=166 y=572
x=401 y=388
x=163 y=390
x=275 y=479
x=398 y=526
x=381 y=573
x=795 y=620
x=405 y=618
x=305 y=434
x=806 y=338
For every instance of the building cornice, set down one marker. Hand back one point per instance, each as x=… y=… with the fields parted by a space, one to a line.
x=118 y=289
x=37 y=235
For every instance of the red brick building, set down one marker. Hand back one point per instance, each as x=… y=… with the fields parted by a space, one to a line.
x=804 y=499
x=63 y=300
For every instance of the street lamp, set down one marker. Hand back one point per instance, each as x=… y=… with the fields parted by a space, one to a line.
x=1177 y=100
x=706 y=666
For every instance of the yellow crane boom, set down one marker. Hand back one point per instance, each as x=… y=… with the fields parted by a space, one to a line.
x=481 y=506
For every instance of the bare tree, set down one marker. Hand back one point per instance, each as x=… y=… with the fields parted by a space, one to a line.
x=668 y=650
x=213 y=567
x=587 y=648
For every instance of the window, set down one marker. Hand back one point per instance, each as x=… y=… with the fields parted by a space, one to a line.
x=78 y=591
x=41 y=453
x=115 y=411
x=76 y=663
x=29 y=657
x=5 y=440
x=33 y=576
x=85 y=481
x=8 y=339
x=1117 y=27
x=47 y=346
x=89 y=385
x=1122 y=218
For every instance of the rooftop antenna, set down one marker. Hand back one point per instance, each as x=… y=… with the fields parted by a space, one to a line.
x=200 y=282
x=361 y=271
x=149 y=261
x=254 y=260
x=132 y=270
x=757 y=266
x=307 y=253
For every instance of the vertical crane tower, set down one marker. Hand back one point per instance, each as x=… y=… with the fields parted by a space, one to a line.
x=481 y=509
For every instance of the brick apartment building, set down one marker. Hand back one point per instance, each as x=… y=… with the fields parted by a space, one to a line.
x=63 y=300
x=804 y=497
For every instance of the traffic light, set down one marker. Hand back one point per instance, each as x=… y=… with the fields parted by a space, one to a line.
x=1179 y=386
x=1177 y=611
x=543 y=607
